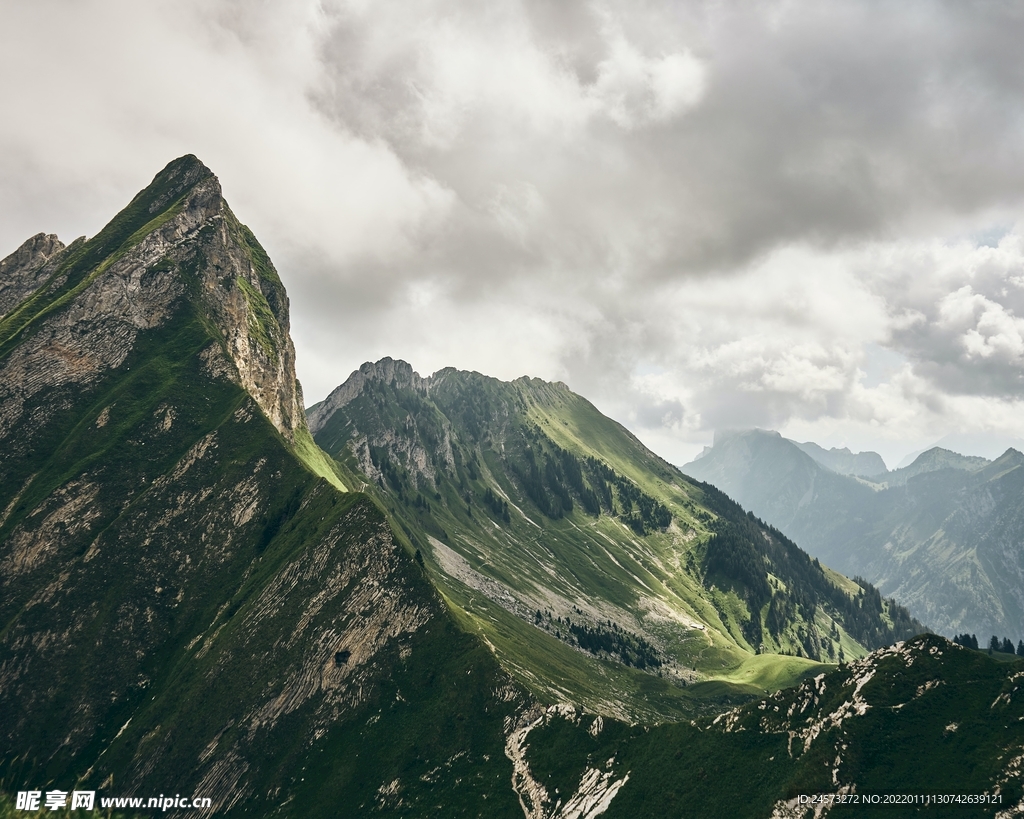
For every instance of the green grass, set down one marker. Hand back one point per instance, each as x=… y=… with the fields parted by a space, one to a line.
x=766 y=673
x=262 y=323
x=591 y=568
x=316 y=460
x=556 y=673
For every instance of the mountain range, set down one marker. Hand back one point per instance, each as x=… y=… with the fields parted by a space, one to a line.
x=942 y=535
x=440 y=596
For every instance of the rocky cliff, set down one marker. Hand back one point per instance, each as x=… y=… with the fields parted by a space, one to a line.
x=176 y=240
x=187 y=606
x=23 y=271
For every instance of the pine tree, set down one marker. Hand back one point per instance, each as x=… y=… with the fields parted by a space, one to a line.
x=1020 y=648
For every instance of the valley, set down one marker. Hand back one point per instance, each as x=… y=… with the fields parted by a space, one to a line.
x=942 y=535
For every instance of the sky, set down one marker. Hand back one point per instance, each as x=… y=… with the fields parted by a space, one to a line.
x=799 y=216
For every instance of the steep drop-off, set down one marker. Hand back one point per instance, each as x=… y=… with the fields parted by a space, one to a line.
x=189 y=602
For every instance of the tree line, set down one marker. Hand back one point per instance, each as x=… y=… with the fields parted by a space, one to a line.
x=555 y=479
x=608 y=638
x=1004 y=646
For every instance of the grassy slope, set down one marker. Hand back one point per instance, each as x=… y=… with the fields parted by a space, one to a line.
x=650 y=584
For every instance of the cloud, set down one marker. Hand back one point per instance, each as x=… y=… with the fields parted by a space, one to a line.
x=702 y=214
x=633 y=89
x=102 y=94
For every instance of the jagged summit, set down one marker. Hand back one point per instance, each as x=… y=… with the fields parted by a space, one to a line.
x=387 y=370
x=177 y=241
x=23 y=271
x=401 y=375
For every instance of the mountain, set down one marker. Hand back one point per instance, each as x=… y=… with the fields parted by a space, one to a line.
x=925 y=727
x=941 y=535
x=190 y=602
x=197 y=600
x=989 y=445
x=777 y=480
x=25 y=270
x=598 y=572
x=844 y=462
x=932 y=460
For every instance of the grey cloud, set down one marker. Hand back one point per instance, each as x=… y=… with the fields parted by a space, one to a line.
x=654 y=414
x=821 y=123
x=545 y=188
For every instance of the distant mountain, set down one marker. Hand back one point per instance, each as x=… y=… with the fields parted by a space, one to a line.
x=942 y=534
x=778 y=481
x=580 y=554
x=989 y=445
x=844 y=462
x=932 y=460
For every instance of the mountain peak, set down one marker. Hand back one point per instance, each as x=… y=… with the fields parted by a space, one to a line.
x=184 y=172
x=844 y=462
x=176 y=242
x=387 y=370
x=25 y=269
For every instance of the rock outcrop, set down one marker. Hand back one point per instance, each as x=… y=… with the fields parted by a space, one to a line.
x=25 y=269
x=388 y=370
x=178 y=239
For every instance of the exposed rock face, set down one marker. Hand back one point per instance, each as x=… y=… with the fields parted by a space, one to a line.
x=388 y=370
x=25 y=269
x=187 y=605
x=189 y=245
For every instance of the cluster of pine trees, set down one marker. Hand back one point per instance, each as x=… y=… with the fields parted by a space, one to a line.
x=740 y=555
x=498 y=506
x=994 y=644
x=608 y=638
x=552 y=477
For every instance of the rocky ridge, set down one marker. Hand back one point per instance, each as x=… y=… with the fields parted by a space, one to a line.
x=26 y=269
x=177 y=239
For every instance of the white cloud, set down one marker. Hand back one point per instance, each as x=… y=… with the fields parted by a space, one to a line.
x=634 y=89
x=110 y=91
